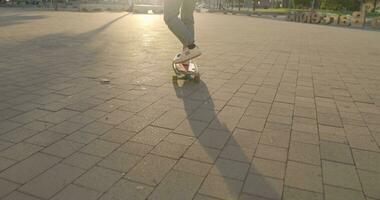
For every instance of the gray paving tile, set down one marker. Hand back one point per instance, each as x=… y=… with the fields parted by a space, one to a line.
x=91 y=179
x=177 y=185
x=18 y=135
x=73 y=192
x=230 y=169
x=97 y=128
x=151 y=170
x=340 y=175
x=170 y=150
x=304 y=176
x=221 y=187
x=120 y=161
x=297 y=194
x=45 y=138
x=150 y=135
x=19 y=196
x=51 y=181
x=20 y=151
x=302 y=152
x=263 y=186
x=269 y=168
x=125 y=189
x=7 y=187
x=193 y=167
x=62 y=148
x=271 y=152
x=200 y=153
x=337 y=193
x=370 y=182
x=367 y=160
x=82 y=160
x=25 y=170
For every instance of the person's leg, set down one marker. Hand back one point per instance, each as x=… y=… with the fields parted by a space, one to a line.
x=187 y=16
x=171 y=12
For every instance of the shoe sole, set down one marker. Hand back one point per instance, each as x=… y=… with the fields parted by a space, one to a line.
x=182 y=61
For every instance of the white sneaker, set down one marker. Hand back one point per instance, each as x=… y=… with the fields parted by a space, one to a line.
x=188 y=54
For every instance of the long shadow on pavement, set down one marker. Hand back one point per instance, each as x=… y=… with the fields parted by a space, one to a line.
x=231 y=174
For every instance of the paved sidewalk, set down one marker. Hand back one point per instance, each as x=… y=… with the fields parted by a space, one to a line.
x=283 y=110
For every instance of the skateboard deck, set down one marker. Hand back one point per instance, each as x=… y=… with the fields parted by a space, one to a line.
x=192 y=74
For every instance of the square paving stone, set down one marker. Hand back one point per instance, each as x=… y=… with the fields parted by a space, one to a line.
x=340 y=175
x=367 y=160
x=244 y=138
x=177 y=185
x=237 y=153
x=99 y=179
x=58 y=117
x=179 y=139
x=20 y=151
x=191 y=128
x=304 y=176
x=296 y=194
x=97 y=128
x=52 y=181
x=116 y=117
x=151 y=170
x=227 y=118
x=120 y=161
x=82 y=137
x=30 y=116
x=62 y=148
x=73 y=192
x=150 y=135
x=336 y=152
x=337 y=193
x=6 y=187
x=25 y=170
x=124 y=190
x=308 y=138
x=45 y=138
x=136 y=148
x=117 y=136
x=82 y=160
x=171 y=119
x=66 y=127
x=193 y=167
x=99 y=148
x=269 y=168
x=19 y=196
x=221 y=187
x=263 y=186
x=18 y=135
x=204 y=115
x=252 y=123
x=305 y=125
x=170 y=150
x=200 y=153
x=230 y=169
x=5 y=144
x=213 y=138
x=5 y=163
x=370 y=182
x=135 y=123
x=7 y=126
x=271 y=152
x=278 y=138
x=302 y=152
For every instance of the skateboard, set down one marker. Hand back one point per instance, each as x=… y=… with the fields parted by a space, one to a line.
x=192 y=74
